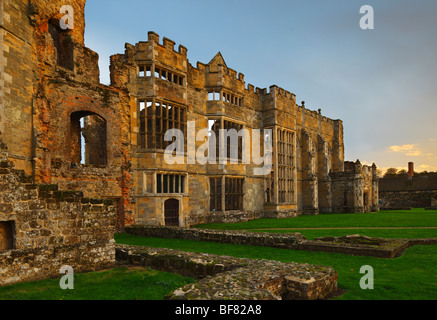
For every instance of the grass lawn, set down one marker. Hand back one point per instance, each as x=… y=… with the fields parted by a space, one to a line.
x=403 y=218
x=408 y=224
x=116 y=284
x=411 y=276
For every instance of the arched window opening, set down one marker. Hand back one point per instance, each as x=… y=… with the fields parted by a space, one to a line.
x=89 y=139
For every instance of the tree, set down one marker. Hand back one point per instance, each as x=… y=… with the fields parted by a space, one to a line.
x=391 y=172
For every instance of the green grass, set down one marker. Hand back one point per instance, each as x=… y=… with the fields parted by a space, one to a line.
x=411 y=276
x=364 y=224
x=116 y=284
x=378 y=233
x=402 y=218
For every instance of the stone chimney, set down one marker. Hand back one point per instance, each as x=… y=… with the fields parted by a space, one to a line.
x=410 y=170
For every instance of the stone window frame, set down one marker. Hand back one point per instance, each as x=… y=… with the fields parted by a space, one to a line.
x=226 y=193
x=145 y=71
x=154 y=182
x=228 y=123
x=168 y=75
x=153 y=122
x=285 y=166
x=225 y=96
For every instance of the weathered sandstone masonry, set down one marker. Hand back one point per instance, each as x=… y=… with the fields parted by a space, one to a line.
x=230 y=278
x=308 y=173
x=43 y=228
x=60 y=124
x=63 y=127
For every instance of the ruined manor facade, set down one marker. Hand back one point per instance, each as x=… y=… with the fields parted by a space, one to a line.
x=80 y=160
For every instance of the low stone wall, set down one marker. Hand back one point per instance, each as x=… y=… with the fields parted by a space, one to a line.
x=395 y=200
x=276 y=240
x=230 y=278
x=45 y=262
x=353 y=245
x=43 y=228
x=358 y=245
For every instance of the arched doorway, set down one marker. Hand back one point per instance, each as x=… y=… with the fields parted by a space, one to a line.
x=171 y=212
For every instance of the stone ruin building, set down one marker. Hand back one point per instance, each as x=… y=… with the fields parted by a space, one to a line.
x=80 y=160
x=408 y=191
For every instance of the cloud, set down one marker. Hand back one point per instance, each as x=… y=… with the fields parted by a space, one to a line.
x=407 y=149
x=414 y=153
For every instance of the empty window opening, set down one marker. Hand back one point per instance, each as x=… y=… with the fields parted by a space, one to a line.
x=7 y=230
x=142 y=72
x=227 y=97
x=165 y=116
x=88 y=138
x=170 y=183
x=163 y=75
x=215 y=194
x=168 y=76
x=213 y=96
x=234 y=193
x=63 y=43
x=157 y=73
x=233 y=138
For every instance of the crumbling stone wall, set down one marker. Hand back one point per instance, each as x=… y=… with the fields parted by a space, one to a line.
x=49 y=228
x=51 y=83
x=355 y=189
x=405 y=192
x=230 y=278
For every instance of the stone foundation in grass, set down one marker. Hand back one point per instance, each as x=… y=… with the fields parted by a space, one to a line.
x=231 y=278
x=353 y=245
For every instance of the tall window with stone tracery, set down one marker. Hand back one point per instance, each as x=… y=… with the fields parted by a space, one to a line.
x=286 y=165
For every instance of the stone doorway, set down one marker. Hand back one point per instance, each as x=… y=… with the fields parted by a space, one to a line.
x=171 y=212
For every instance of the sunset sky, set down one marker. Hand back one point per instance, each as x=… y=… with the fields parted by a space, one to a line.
x=382 y=83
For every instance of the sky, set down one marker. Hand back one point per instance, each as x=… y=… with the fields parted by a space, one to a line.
x=381 y=82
